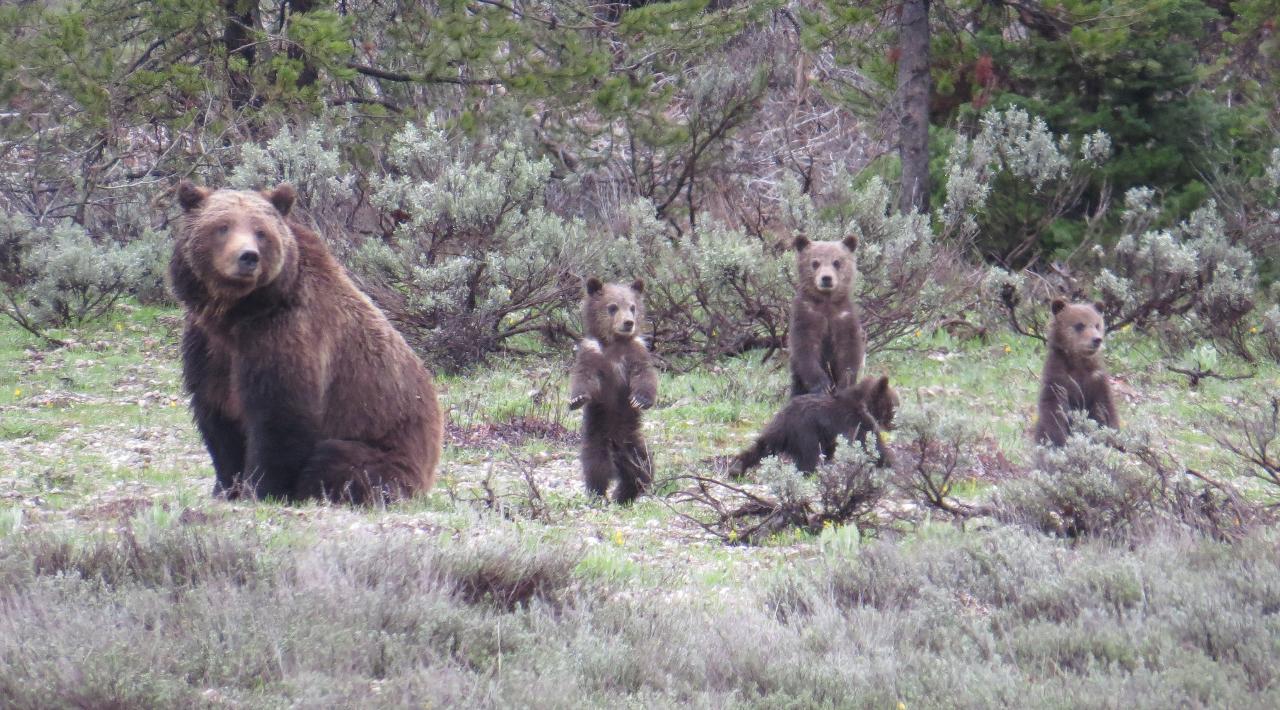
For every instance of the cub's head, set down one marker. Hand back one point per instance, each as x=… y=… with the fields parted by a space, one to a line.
x=826 y=269
x=235 y=241
x=613 y=311
x=1077 y=328
x=880 y=399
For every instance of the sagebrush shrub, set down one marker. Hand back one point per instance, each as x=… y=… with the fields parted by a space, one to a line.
x=58 y=275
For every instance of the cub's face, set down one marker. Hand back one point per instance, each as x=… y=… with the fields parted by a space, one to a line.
x=881 y=400
x=613 y=310
x=235 y=241
x=826 y=268
x=1078 y=328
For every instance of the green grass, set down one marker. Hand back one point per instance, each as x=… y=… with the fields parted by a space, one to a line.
x=122 y=583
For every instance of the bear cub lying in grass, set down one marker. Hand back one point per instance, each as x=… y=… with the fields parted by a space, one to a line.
x=809 y=424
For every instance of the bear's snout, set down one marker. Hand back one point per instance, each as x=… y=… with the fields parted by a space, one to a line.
x=247 y=261
x=1097 y=343
x=628 y=326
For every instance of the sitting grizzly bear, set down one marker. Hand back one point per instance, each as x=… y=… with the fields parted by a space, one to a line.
x=825 y=343
x=612 y=377
x=1073 y=378
x=808 y=425
x=299 y=385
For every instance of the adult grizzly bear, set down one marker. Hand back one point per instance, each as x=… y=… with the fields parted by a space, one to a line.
x=613 y=379
x=807 y=427
x=825 y=343
x=1073 y=378
x=299 y=385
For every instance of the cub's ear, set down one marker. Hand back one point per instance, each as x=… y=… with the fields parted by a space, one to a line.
x=1057 y=305
x=282 y=198
x=882 y=386
x=190 y=196
x=594 y=286
x=800 y=242
x=638 y=285
x=1099 y=306
x=850 y=242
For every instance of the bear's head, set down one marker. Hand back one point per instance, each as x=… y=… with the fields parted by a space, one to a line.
x=613 y=311
x=879 y=398
x=1077 y=329
x=235 y=241
x=826 y=269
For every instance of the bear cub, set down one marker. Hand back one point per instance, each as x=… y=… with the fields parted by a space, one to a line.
x=807 y=427
x=825 y=342
x=612 y=380
x=1073 y=379
x=299 y=385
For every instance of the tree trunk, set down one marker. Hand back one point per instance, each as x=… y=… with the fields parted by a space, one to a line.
x=913 y=93
x=237 y=38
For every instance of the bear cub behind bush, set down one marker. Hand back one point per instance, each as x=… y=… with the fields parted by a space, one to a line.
x=826 y=345
x=299 y=385
x=807 y=427
x=1073 y=379
x=613 y=381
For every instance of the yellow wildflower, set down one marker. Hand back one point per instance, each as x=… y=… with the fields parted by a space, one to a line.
x=733 y=536
x=617 y=537
x=17 y=392
x=1007 y=350
x=1254 y=330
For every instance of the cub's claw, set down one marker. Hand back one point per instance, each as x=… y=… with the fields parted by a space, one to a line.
x=577 y=402
x=638 y=402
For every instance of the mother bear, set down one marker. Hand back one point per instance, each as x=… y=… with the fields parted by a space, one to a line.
x=299 y=385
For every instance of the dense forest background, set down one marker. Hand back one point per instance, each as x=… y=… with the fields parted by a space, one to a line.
x=472 y=160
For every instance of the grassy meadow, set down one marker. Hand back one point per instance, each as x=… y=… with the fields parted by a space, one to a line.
x=123 y=584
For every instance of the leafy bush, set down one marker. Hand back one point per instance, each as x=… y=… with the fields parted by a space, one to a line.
x=59 y=276
x=477 y=258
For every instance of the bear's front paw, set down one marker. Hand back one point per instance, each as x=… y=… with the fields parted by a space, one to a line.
x=577 y=402
x=639 y=401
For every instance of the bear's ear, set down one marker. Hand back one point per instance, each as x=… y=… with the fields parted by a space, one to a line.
x=190 y=196
x=1099 y=306
x=638 y=285
x=880 y=391
x=1057 y=305
x=282 y=198
x=594 y=286
x=850 y=242
x=800 y=242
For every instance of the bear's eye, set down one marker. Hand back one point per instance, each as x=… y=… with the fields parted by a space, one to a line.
x=815 y=264
x=222 y=229
x=1079 y=327
x=633 y=308
x=260 y=234
x=613 y=308
x=836 y=263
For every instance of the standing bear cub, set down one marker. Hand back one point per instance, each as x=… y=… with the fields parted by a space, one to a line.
x=299 y=385
x=1073 y=379
x=808 y=426
x=825 y=343
x=613 y=380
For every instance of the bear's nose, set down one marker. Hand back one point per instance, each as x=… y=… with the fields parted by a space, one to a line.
x=826 y=280
x=628 y=324
x=248 y=259
x=1097 y=342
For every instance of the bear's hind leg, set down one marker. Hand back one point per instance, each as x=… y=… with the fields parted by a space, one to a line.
x=343 y=471
x=635 y=471
x=597 y=467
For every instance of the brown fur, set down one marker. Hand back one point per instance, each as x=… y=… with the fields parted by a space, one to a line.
x=299 y=385
x=806 y=429
x=826 y=343
x=613 y=379
x=1073 y=378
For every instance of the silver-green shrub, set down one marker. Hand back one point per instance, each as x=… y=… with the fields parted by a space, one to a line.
x=58 y=275
x=477 y=257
